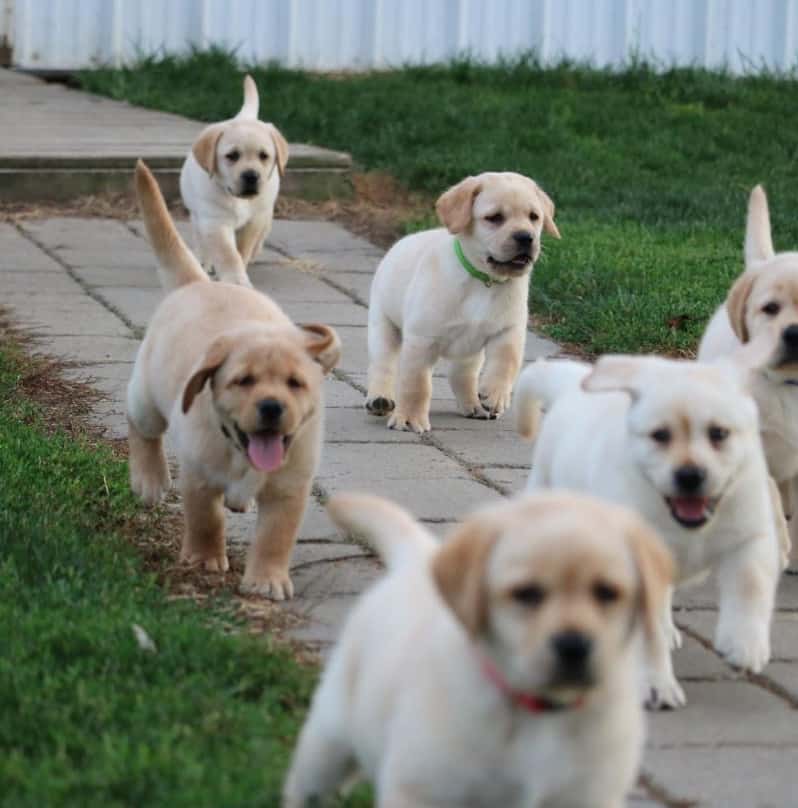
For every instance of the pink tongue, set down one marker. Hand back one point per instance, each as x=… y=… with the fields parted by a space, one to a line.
x=690 y=508
x=265 y=452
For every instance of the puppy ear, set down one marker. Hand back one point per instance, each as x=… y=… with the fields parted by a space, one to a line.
x=655 y=568
x=323 y=344
x=455 y=205
x=211 y=362
x=281 y=147
x=758 y=239
x=458 y=570
x=204 y=148
x=548 y=214
x=614 y=373
x=737 y=302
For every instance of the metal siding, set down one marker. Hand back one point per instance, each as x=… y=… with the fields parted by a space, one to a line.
x=358 y=34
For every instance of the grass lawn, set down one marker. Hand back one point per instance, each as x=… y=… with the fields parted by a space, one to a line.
x=90 y=719
x=650 y=172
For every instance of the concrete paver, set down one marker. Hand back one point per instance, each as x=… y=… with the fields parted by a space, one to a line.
x=735 y=745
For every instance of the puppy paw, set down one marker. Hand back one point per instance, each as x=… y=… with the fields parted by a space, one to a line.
x=745 y=645
x=409 y=423
x=497 y=401
x=209 y=563
x=475 y=410
x=380 y=405
x=274 y=585
x=151 y=489
x=238 y=505
x=673 y=637
x=664 y=693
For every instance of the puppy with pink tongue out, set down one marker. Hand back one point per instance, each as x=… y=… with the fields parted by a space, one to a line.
x=239 y=387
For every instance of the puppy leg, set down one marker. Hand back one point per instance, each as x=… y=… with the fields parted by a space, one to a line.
x=203 y=540
x=220 y=247
x=672 y=634
x=279 y=516
x=149 y=471
x=782 y=526
x=504 y=356
x=663 y=691
x=463 y=379
x=385 y=341
x=250 y=238
x=416 y=359
x=747 y=581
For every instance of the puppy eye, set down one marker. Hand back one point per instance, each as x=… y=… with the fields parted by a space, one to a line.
x=772 y=308
x=661 y=436
x=533 y=217
x=495 y=218
x=294 y=383
x=264 y=156
x=717 y=434
x=529 y=595
x=605 y=593
x=233 y=155
x=246 y=381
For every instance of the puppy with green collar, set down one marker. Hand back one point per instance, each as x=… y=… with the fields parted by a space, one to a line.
x=458 y=292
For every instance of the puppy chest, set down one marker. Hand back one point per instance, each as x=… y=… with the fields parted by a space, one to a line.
x=468 y=337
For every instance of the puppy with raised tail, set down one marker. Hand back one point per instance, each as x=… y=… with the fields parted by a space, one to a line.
x=679 y=442
x=498 y=669
x=459 y=292
x=239 y=387
x=763 y=306
x=229 y=183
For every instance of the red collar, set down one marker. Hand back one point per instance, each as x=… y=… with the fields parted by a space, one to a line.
x=526 y=701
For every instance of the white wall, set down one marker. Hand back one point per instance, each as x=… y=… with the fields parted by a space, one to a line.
x=355 y=34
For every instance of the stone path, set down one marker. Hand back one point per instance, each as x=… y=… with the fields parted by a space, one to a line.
x=86 y=289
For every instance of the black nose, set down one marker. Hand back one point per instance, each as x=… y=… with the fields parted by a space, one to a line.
x=689 y=479
x=270 y=410
x=572 y=648
x=790 y=336
x=523 y=238
x=250 y=178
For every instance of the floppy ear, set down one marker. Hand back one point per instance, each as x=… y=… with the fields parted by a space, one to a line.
x=323 y=344
x=454 y=206
x=758 y=239
x=737 y=302
x=548 y=214
x=281 y=147
x=211 y=362
x=655 y=569
x=458 y=570
x=614 y=373
x=204 y=147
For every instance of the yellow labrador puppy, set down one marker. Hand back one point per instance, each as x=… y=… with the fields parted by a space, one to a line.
x=677 y=441
x=763 y=306
x=229 y=183
x=499 y=669
x=458 y=292
x=239 y=387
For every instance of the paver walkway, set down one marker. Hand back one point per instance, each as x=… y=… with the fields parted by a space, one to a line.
x=87 y=287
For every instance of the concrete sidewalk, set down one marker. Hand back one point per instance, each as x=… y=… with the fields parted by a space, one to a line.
x=86 y=289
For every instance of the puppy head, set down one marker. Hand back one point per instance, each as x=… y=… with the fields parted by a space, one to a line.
x=691 y=428
x=499 y=218
x=242 y=154
x=553 y=586
x=265 y=385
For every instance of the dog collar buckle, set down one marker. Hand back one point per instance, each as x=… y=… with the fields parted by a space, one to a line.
x=471 y=269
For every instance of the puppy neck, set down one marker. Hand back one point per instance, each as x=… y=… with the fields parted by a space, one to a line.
x=483 y=277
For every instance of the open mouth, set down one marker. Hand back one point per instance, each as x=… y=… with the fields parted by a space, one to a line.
x=692 y=512
x=516 y=264
x=265 y=449
x=248 y=192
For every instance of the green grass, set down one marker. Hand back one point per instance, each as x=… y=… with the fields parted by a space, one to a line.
x=89 y=719
x=650 y=172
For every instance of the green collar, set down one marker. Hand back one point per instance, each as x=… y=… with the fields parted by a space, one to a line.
x=472 y=270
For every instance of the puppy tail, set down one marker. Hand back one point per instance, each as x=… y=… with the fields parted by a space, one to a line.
x=251 y=105
x=540 y=384
x=389 y=529
x=177 y=266
x=758 y=240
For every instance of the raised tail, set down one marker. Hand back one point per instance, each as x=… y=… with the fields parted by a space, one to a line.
x=177 y=265
x=391 y=530
x=251 y=106
x=758 y=241
x=540 y=384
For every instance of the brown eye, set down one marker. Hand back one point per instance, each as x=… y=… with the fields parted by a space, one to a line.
x=605 y=593
x=495 y=218
x=533 y=217
x=717 y=434
x=772 y=308
x=529 y=595
x=264 y=156
x=294 y=383
x=662 y=436
x=246 y=381
x=233 y=155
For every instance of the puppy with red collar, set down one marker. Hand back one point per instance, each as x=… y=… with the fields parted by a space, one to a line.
x=501 y=668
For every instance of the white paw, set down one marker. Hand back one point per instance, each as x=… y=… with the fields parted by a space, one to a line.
x=276 y=585
x=663 y=692
x=151 y=490
x=409 y=423
x=208 y=563
x=380 y=405
x=746 y=645
x=474 y=409
x=496 y=401
x=237 y=505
